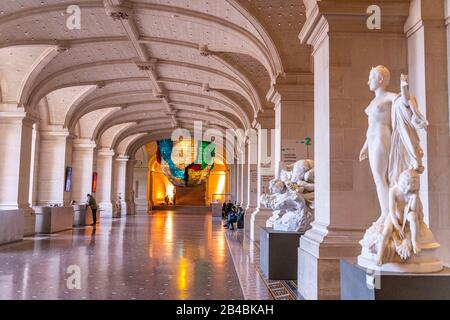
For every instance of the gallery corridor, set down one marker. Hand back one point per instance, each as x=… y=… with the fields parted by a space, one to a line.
x=159 y=256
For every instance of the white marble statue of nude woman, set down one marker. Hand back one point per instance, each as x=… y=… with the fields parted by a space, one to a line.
x=378 y=138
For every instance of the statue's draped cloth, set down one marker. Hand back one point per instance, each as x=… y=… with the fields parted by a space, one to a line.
x=406 y=152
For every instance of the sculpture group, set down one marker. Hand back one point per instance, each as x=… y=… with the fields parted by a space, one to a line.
x=292 y=198
x=399 y=240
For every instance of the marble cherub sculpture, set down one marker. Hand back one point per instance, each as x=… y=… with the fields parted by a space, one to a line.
x=292 y=198
x=395 y=156
x=405 y=217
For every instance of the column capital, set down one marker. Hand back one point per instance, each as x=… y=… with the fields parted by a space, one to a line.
x=301 y=90
x=266 y=121
x=58 y=133
x=327 y=17
x=83 y=143
x=132 y=161
x=18 y=116
x=424 y=14
x=105 y=152
x=122 y=158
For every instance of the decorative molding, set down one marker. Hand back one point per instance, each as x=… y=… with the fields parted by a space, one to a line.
x=121 y=12
x=158 y=94
x=204 y=51
x=146 y=65
x=206 y=87
x=62 y=46
x=101 y=84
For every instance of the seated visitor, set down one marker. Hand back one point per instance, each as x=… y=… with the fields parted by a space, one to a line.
x=240 y=217
x=224 y=210
x=231 y=218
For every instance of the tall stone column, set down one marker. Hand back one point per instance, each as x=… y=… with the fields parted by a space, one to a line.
x=244 y=175
x=82 y=169
x=344 y=52
x=104 y=178
x=238 y=167
x=428 y=33
x=130 y=192
x=16 y=132
x=55 y=154
x=265 y=173
x=119 y=184
x=150 y=190
x=34 y=168
x=232 y=179
x=252 y=173
x=294 y=119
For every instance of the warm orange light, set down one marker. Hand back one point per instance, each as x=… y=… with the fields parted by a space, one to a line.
x=169 y=189
x=168 y=232
x=220 y=247
x=220 y=187
x=182 y=278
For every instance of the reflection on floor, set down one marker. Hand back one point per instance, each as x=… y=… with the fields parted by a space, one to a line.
x=162 y=256
x=254 y=284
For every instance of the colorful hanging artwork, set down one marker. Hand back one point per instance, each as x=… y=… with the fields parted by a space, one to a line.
x=185 y=162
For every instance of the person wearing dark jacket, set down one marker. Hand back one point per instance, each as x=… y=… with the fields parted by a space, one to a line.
x=93 y=204
x=231 y=218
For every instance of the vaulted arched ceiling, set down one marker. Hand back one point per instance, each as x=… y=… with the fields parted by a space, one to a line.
x=139 y=68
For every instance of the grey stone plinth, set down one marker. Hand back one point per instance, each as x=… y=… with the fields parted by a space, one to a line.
x=82 y=215
x=278 y=253
x=216 y=209
x=11 y=225
x=53 y=219
x=358 y=283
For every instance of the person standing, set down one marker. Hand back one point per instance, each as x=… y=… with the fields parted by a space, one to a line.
x=93 y=204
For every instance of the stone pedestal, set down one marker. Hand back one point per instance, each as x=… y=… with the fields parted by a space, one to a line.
x=11 y=226
x=83 y=215
x=29 y=222
x=278 y=254
x=216 y=209
x=53 y=219
x=358 y=283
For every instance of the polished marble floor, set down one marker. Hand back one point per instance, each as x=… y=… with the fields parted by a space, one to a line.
x=159 y=256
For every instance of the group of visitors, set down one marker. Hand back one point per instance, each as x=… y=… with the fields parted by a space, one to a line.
x=233 y=213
